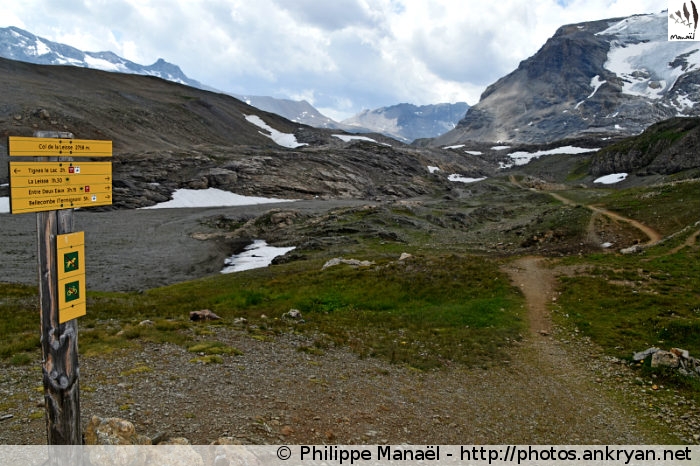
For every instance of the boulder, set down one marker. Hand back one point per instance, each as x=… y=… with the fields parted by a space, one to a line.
x=293 y=314
x=113 y=431
x=204 y=314
x=636 y=249
x=350 y=262
x=663 y=358
x=681 y=353
x=644 y=354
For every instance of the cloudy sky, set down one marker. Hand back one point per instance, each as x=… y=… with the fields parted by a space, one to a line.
x=340 y=55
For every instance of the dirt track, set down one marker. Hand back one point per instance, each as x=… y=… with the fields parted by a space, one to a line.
x=653 y=235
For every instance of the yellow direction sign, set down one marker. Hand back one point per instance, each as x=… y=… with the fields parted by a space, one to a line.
x=42 y=174
x=96 y=195
x=42 y=186
x=58 y=147
x=45 y=169
x=70 y=262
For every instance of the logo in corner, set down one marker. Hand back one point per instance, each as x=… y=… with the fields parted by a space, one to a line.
x=682 y=20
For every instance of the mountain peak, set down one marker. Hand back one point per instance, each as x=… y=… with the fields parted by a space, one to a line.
x=408 y=122
x=611 y=77
x=21 y=45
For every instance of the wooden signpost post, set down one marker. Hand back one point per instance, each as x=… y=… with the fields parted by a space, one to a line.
x=52 y=186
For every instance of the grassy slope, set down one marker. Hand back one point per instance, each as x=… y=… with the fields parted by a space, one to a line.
x=422 y=311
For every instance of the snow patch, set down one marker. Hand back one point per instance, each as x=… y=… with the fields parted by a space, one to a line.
x=348 y=138
x=683 y=104
x=611 y=179
x=283 y=139
x=41 y=48
x=596 y=82
x=104 y=65
x=462 y=179
x=473 y=152
x=211 y=197
x=433 y=169
x=255 y=256
x=458 y=146
x=642 y=60
x=4 y=205
x=500 y=147
x=523 y=158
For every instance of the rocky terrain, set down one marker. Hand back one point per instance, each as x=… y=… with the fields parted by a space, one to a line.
x=664 y=148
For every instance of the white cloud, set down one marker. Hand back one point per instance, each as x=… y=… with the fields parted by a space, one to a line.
x=347 y=54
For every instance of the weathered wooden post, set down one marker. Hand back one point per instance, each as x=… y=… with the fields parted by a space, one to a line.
x=59 y=342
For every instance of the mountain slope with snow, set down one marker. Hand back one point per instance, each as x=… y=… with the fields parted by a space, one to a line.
x=21 y=45
x=603 y=78
x=298 y=111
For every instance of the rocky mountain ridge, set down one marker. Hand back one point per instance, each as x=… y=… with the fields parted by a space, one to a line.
x=168 y=136
x=598 y=79
x=298 y=111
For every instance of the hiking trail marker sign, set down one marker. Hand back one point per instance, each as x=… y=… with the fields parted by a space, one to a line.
x=52 y=184
x=70 y=262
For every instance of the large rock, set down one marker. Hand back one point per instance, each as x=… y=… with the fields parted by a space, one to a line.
x=640 y=356
x=109 y=433
x=109 y=437
x=665 y=359
x=113 y=431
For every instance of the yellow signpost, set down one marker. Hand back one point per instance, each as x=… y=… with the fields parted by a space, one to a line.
x=70 y=262
x=51 y=187
x=58 y=147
